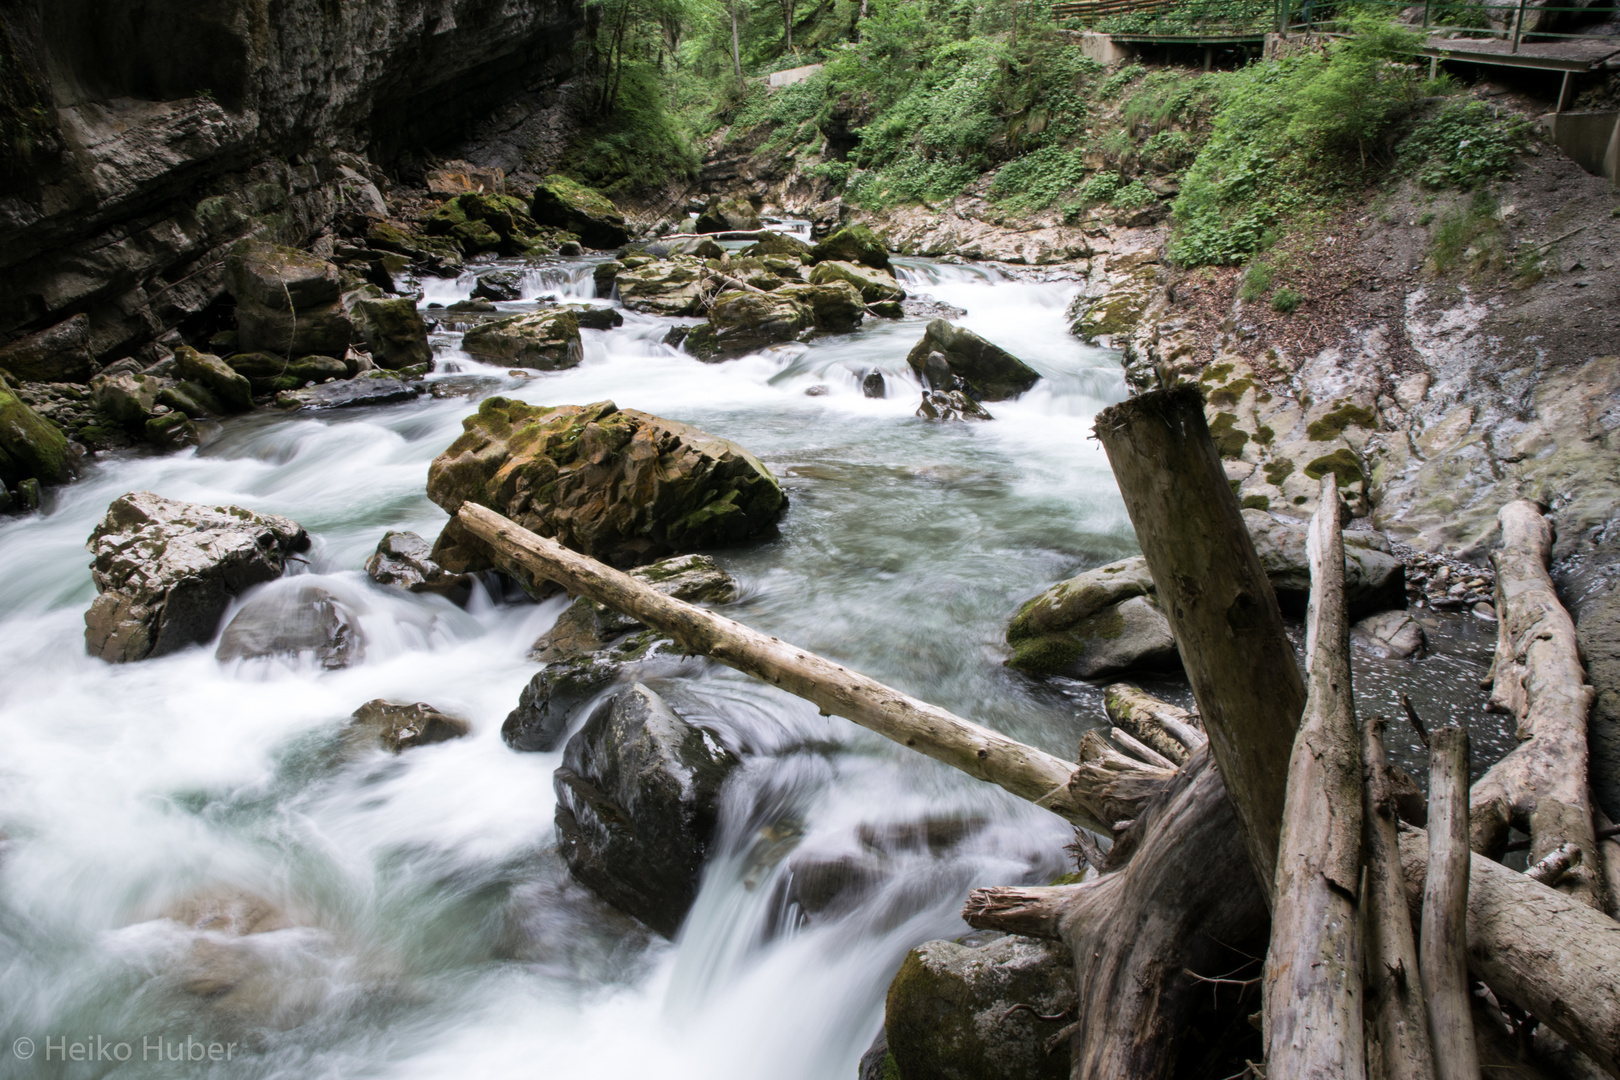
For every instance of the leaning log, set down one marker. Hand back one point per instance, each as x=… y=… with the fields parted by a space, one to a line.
x=1542 y=786
x=1442 y=952
x=1217 y=598
x=1313 y=971
x=1394 y=1005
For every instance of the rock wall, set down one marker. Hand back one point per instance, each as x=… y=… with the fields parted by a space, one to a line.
x=147 y=136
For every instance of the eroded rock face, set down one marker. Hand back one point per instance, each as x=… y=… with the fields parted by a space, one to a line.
x=58 y=354
x=287 y=302
x=570 y=205
x=616 y=484
x=950 y=1010
x=637 y=805
x=988 y=371
x=399 y=726
x=544 y=341
x=167 y=570
x=744 y=322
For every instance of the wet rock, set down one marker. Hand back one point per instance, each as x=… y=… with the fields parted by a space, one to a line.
x=481 y=306
x=552 y=698
x=662 y=287
x=872 y=385
x=286 y=301
x=171 y=430
x=544 y=341
x=728 y=215
x=887 y=309
x=596 y=318
x=926 y=307
x=400 y=727
x=193 y=399
x=405 y=560
x=745 y=322
x=300 y=618
x=1051 y=613
x=325 y=330
x=950 y=1011
x=1388 y=634
x=227 y=384
x=58 y=354
x=616 y=484
x=818 y=390
x=637 y=805
x=989 y=372
x=1374 y=579
x=127 y=400
x=228 y=911
x=1131 y=635
x=853 y=244
x=31 y=448
x=269 y=373
x=779 y=244
x=563 y=203
x=167 y=570
x=877 y=1063
x=588 y=625
x=366 y=388
x=604 y=276
x=951 y=405
x=875 y=286
x=499 y=285
x=393 y=331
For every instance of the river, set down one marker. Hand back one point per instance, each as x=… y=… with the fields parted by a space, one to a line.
x=433 y=929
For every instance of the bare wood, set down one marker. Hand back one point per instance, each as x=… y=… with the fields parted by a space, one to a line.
x=1395 y=1005
x=1136 y=748
x=1217 y=598
x=978 y=751
x=1554 y=865
x=1313 y=972
x=1608 y=860
x=1541 y=787
x=1442 y=955
x=1171 y=731
x=1546 y=952
x=1090 y=850
x=1108 y=786
x=1034 y=911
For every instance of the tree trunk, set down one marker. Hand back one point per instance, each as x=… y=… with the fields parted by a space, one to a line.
x=1171 y=731
x=1542 y=786
x=1394 y=1006
x=1216 y=595
x=736 y=48
x=1442 y=955
x=1313 y=979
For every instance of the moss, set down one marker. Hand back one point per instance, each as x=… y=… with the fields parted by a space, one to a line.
x=1231 y=393
x=1278 y=471
x=1050 y=654
x=1218 y=373
x=1264 y=435
x=1229 y=440
x=1332 y=425
x=1300 y=500
x=1342 y=462
x=1256 y=502
x=30 y=445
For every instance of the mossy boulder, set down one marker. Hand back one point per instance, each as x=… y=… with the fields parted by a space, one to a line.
x=269 y=373
x=58 y=354
x=544 y=341
x=953 y=1010
x=1100 y=622
x=728 y=215
x=835 y=307
x=478 y=222
x=619 y=485
x=875 y=286
x=570 y=205
x=280 y=278
x=31 y=447
x=853 y=243
x=226 y=384
x=394 y=332
x=779 y=245
x=127 y=399
x=662 y=286
x=988 y=371
x=744 y=322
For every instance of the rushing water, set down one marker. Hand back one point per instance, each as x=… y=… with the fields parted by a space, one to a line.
x=434 y=930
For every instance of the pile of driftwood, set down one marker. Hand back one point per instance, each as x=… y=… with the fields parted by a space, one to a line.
x=1281 y=813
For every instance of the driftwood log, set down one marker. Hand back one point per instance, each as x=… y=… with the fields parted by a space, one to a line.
x=1313 y=972
x=1442 y=948
x=1172 y=731
x=1542 y=786
x=1217 y=598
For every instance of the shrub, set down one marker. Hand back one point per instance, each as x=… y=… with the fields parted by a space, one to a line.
x=1463 y=144
x=1038 y=179
x=1256 y=281
x=1133 y=196
x=1285 y=300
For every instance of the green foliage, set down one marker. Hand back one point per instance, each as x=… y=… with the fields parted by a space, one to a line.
x=636 y=147
x=1195 y=16
x=1469 y=237
x=1100 y=188
x=1133 y=196
x=1463 y=144
x=1038 y=179
x=1256 y=281
x=1119 y=80
x=1164 y=96
x=1169 y=149
x=1285 y=300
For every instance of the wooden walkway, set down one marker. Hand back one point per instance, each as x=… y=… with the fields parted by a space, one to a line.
x=1568 y=55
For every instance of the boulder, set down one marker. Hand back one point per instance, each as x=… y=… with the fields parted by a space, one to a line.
x=171 y=430
x=268 y=373
x=989 y=372
x=499 y=285
x=552 y=698
x=324 y=330
x=728 y=215
x=394 y=332
x=875 y=286
x=854 y=244
x=1374 y=579
x=280 y=278
x=487 y=222
x=543 y=340
x=619 y=485
x=604 y=275
x=167 y=570
x=405 y=560
x=588 y=626
x=779 y=244
x=58 y=354
x=872 y=385
x=952 y=1010
x=367 y=388
x=663 y=286
x=1389 y=635
x=637 y=804
x=193 y=399
x=31 y=447
x=835 y=307
x=400 y=727
x=290 y=621
x=227 y=384
x=596 y=318
x=566 y=204
x=462 y=178
x=744 y=322
x=951 y=405
x=127 y=400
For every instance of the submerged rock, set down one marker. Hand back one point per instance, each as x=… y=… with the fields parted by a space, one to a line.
x=989 y=372
x=744 y=322
x=291 y=621
x=405 y=560
x=951 y=405
x=873 y=386
x=637 y=804
x=618 y=485
x=853 y=244
x=366 y=388
x=400 y=727
x=58 y=354
x=566 y=204
x=167 y=570
x=952 y=1010
x=544 y=341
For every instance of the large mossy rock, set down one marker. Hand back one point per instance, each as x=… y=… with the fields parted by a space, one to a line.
x=638 y=798
x=58 y=354
x=618 y=485
x=989 y=371
x=227 y=384
x=269 y=373
x=1098 y=623
x=952 y=1010
x=855 y=244
x=484 y=222
x=31 y=447
x=393 y=331
x=566 y=204
x=728 y=215
x=167 y=570
x=286 y=301
x=835 y=307
x=875 y=286
x=778 y=245
x=544 y=341
x=744 y=322
x=662 y=286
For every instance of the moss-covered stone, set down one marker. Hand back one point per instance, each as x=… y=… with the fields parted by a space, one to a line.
x=836 y=307
x=226 y=384
x=744 y=322
x=1229 y=439
x=567 y=204
x=30 y=446
x=545 y=340
x=268 y=373
x=394 y=332
x=1331 y=425
x=989 y=371
x=855 y=244
x=875 y=286
x=728 y=215
x=1343 y=463
x=60 y=353
x=663 y=286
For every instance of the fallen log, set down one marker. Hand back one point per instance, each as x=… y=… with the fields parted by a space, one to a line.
x=1140 y=750
x=1313 y=971
x=1542 y=786
x=1442 y=949
x=1394 y=1005
x=1171 y=731
x=1609 y=861
x=1217 y=598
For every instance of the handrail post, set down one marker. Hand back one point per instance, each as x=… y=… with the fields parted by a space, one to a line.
x=1518 y=26
x=1426 y=14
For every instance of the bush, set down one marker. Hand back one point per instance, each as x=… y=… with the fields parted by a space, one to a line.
x=1463 y=144
x=1133 y=196
x=1285 y=300
x=1037 y=179
x=1256 y=281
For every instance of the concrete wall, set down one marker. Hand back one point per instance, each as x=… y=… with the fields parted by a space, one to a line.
x=1103 y=49
x=794 y=75
x=1591 y=139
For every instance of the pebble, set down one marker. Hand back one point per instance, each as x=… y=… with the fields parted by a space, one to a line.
x=1485 y=611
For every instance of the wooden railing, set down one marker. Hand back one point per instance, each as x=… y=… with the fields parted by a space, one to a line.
x=1092 y=10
